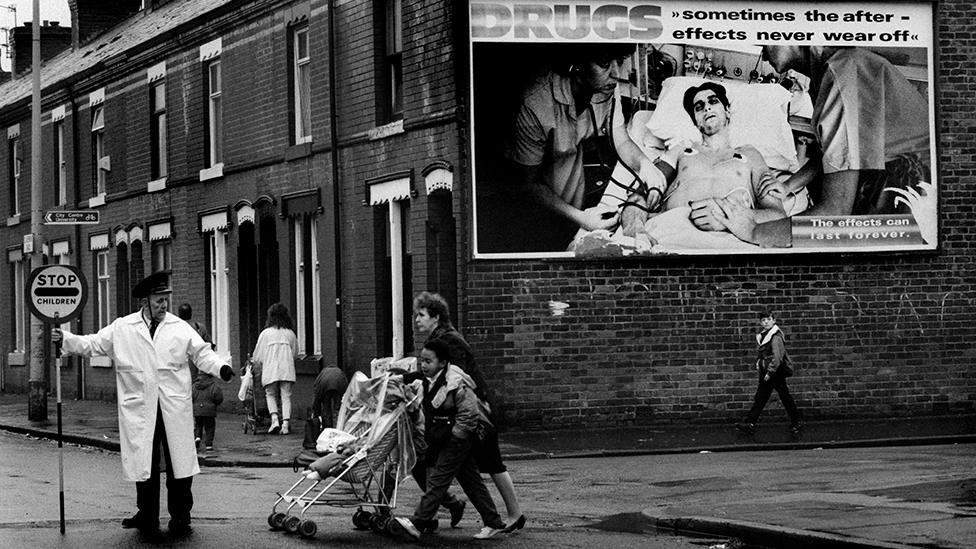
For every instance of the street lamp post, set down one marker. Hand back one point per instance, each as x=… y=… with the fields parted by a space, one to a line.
x=37 y=386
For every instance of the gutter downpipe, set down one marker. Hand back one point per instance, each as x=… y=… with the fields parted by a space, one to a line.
x=336 y=187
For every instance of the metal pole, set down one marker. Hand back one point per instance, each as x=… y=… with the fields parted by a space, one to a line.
x=37 y=386
x=57 y=368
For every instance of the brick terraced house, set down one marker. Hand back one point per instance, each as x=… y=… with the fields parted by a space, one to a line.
x=321 y=153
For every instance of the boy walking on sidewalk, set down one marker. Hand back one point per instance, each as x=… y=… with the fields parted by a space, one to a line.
x=206 y=397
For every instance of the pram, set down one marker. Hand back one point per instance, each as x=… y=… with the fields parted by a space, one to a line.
x=375 y=428
x=255 y=406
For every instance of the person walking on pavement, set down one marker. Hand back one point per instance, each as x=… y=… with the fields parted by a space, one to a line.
x=328 y=389
x=453 y=417
x=275 y=355
x=432 y=317
x=774 y=366
x=151 y=350
x=206 y=397
x=185 y=312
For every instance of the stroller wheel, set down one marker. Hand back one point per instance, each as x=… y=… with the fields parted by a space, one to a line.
x=307 y=529
x=379 y=523
x=395 y=529
x=291 y=524
x=276 y=521
x=361 y=519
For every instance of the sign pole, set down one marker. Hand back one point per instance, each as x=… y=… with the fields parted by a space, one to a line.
x=56 y=294
x=57 y=368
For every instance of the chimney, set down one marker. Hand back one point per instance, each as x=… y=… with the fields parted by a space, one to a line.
x=54 y=40
x=91 y=18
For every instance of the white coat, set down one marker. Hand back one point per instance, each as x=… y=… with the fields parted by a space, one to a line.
x=151 y=373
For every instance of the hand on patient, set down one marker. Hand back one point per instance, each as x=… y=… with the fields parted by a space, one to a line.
x=599 y=217
x=770 y=185
x=724 y=214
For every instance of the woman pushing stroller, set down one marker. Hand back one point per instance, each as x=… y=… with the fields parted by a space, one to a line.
x=454 y=417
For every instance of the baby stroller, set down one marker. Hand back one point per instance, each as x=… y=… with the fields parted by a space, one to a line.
x=255 y=406
x=362 y=461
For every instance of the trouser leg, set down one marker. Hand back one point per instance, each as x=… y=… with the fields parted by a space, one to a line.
x=179 y=499
x=285 y=390
x=439 y=477
x=474 y=487
x=271 y=397
x=147 y=491
x=419 y=473
x=209 y=427
x=763 y=392
x=787 y=399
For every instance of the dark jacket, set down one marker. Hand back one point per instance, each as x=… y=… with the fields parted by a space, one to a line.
x=331 y=378
x=462 y=357
x=772 y=355
x=206 y=396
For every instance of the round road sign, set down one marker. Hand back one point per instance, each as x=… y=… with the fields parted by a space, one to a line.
x=56 y=293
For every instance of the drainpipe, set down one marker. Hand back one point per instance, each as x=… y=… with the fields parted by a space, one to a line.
x=76 y=184
x=336 y=187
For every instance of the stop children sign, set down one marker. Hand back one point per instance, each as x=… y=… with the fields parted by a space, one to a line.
x=56 y=293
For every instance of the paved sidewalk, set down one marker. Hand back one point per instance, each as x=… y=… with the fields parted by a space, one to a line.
x=820 y=522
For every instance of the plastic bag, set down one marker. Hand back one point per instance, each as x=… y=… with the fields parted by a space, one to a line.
x=331 y=438
x=245 y=384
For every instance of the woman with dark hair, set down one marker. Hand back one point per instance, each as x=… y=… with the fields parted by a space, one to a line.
x=274 y=355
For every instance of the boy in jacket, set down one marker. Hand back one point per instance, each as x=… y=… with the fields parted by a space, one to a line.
x=774 y=366
x=206 y=397
x=454 y=416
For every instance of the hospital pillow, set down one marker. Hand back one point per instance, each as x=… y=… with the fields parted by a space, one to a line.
x=758 y=118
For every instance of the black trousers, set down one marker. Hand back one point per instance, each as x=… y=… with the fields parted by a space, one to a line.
x=179 y=497
x=765 y=390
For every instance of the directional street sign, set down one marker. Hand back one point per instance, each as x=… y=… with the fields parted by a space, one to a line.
x=56 y=293
x=72 y=217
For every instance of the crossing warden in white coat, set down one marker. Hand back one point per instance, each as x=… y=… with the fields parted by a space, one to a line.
x=151 y=349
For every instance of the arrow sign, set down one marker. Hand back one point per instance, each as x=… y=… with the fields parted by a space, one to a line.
x=56 y=293
x=72 y=217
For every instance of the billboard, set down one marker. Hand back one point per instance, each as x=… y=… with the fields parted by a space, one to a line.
x=630 y=128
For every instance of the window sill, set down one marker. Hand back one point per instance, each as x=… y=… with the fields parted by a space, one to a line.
x=96 y=200
x=386 y=130
x=156 y=186
x=300 y=150
x=308 y=364
x=213 y=172
x=101 y=362
x=13 y=220
x=16 y=359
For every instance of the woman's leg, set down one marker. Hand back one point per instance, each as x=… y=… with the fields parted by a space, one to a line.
x=503 y=481
x=271 y=397
x=285 y=389
x=489 y=458
x=285 y=406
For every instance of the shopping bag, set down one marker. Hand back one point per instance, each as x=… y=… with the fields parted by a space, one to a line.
x=245 y=385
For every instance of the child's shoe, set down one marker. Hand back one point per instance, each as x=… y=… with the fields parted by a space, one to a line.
x=285 y=427
x=275 y=426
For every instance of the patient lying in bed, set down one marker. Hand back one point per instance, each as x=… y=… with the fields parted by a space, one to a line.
x=720 y=164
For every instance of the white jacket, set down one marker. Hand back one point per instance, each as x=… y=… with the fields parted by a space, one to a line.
x=276 y=350
x=151 y=373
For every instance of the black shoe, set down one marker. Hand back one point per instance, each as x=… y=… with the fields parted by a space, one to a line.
x=747 y=428
x=796 y=428
x=180 y=527
x=517 y=525
x=457 y=512
x=143 y=524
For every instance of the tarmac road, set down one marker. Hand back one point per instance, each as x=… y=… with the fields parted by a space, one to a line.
x=232 y=504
